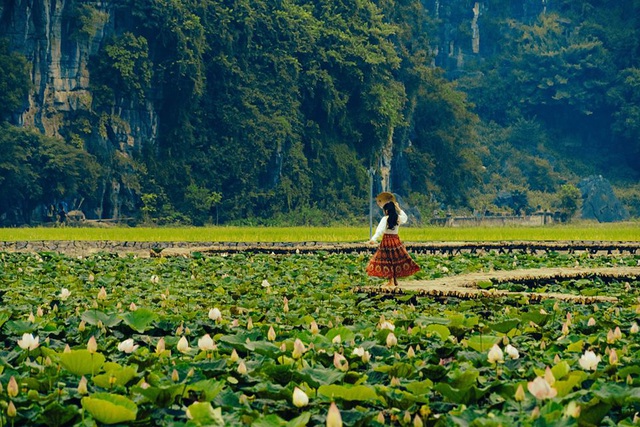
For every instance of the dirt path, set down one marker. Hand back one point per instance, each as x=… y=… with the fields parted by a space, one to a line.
x=468 y=285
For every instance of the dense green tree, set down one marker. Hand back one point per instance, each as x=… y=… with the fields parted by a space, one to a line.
x=37 y=170
x=14 y=80
x=625 y=97
x=569 y=201
x=122 y=67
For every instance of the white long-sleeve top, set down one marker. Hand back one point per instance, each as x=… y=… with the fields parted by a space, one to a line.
x=382 y=226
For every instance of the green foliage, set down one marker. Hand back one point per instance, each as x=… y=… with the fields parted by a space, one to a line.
x=625 y=96
x=161 y=356
x=570 y=200
x=39 y=170
x=123 y=68
x=14 y=80
x=283 y=106
x=86 y=19
x=200 y=201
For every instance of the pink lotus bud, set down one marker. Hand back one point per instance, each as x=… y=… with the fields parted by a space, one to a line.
x=334 y=419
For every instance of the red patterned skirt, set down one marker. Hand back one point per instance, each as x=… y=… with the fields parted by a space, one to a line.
x=391 y=259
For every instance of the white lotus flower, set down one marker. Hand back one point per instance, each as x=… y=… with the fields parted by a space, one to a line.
x=391 y=340
x=572 y=410
x=206 y=343
x=495 y=355
x=591 y=322
x=271 y=334
x=64 y=294
x=298 y=349
x=127 y=346
x=541 y=389
x=589 y=361
x=340 y=362
x=92 y=345
x=512 y=352
x=411 y=353
x=28 y=342
x=183 y=345
x=160 y=346
x=313 y=327
x=387 y=325
x=102 y=294
x=12 y=387
x=215 y=314
x=358 y=351
x=242 y=368
x=634 y=328
x=519 y=396
x=82 y=386
x=300 y=398
x=265 y=283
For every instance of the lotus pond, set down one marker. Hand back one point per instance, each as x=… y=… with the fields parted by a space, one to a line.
x=265 y=340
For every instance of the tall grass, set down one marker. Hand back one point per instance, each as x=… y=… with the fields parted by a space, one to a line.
x=629 y=231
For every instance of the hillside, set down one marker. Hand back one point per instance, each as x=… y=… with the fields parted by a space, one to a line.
x=276 y=112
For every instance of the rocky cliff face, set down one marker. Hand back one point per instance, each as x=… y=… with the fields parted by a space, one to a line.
x=58 y=37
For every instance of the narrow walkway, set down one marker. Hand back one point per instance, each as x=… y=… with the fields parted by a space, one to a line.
x=468 y=285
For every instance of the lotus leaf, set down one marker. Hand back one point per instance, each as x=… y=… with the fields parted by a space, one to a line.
x=465 y=395
x=300 y=421
x=265 y=348
x=139 y=320
x=505 y=326
x=442 y=331
x=593 y=413
x=55 y=414
x=420 y=387
x=320 y=376
x=207 y=389
x=572 y=380
x=355 y=393
x=110 y=408
x=536 y=317
x=93 y=317
x=576 y=347
x=19 y=327
x=482 y=343
x=271 y=420
x=4 y=316
x=560 y=370
x=203 y=414
x=82 y=362
x=121 y=375
x=345 y=333
x=162 y=396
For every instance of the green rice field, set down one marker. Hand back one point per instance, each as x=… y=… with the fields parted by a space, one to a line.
x=628 y=231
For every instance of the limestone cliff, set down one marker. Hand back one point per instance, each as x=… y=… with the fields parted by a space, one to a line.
x=58 y=38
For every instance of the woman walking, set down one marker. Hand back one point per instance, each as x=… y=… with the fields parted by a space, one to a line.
x=391 y=260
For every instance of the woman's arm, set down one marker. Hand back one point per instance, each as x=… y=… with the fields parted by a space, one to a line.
x=402 y=217
x=382 y=225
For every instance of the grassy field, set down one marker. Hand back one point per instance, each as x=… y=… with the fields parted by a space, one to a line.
x=629 y=231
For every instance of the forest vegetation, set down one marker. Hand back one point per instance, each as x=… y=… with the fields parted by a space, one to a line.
x=273 y=112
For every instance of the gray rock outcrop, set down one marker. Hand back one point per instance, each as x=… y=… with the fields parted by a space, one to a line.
x=599 y=202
